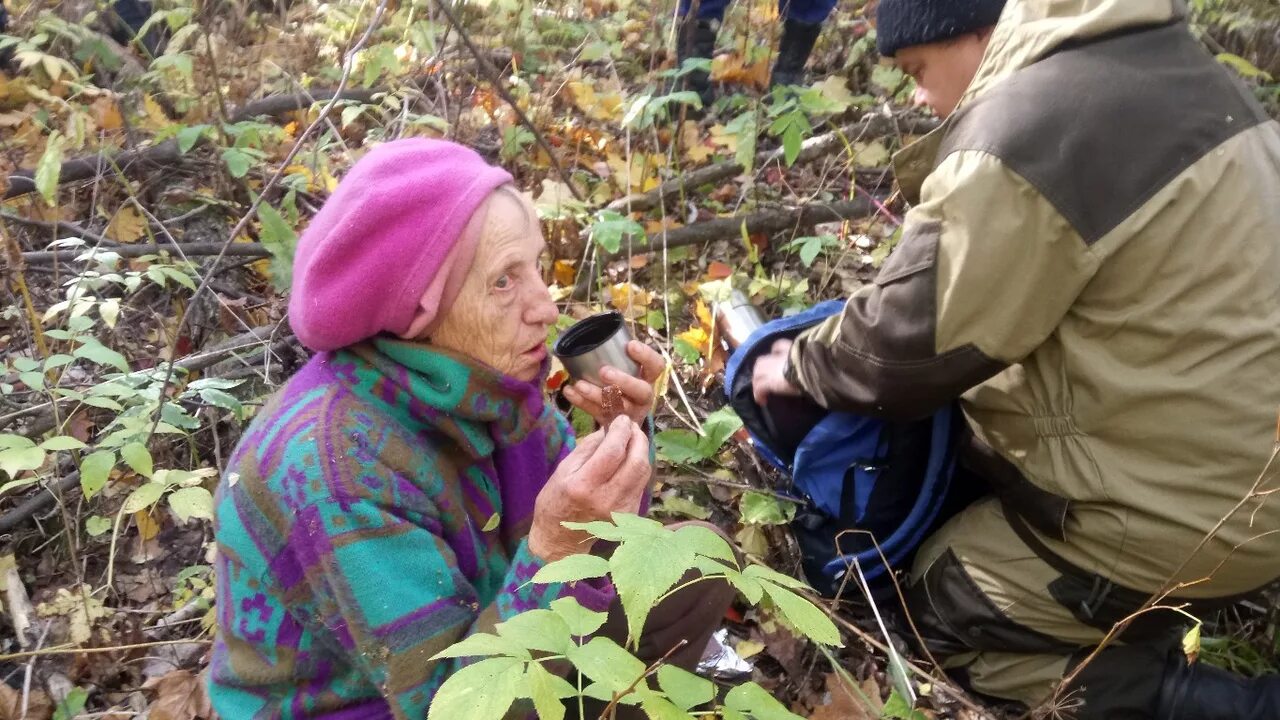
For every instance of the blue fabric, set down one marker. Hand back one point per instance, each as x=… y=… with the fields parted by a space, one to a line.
x=840 y=441
x=805 y=11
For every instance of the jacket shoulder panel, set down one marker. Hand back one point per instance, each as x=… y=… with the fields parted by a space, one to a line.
x=1099 y=128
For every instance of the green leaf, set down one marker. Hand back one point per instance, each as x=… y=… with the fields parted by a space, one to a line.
x=138 y=457
x=94 y=351
x=189 y=136
x=192 y=502
x=792 y=140
x=143 y=497
x=1243 y=67
x=482 y=691
x=720 y=426
x=537 y=630
x=804 y=616
x=611 y=228
x=483 y=645
x=755 y=701
x=33 y=380
x=643 y=569
x=62 y=442
x=680 y=446
x=897 y=707
x=687 y=350
x=280 y=240
x=706 y=542
x=547 y=691
x=759 y=508
x=95 y=525
x=680 y=505
x=581 y=621
x=684 y=688
x=492 y=523
x=16 y=460
x=94 y=469
x=10 y=440
x=222 y=399
x=658 y=709
x=58 y=360
x=572 y=569
x=598 y=528
x=767 y=574
x=728 y=714
x=49 y=168
x=72 y=705
x=238 y=161
x=750 y=588
x=604 y=661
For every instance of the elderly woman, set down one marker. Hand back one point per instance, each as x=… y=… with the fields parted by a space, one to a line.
x=401 y=490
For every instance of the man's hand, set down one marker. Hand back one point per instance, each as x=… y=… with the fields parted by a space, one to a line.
x=637 y=392
x=767 y=378
x=607 y=472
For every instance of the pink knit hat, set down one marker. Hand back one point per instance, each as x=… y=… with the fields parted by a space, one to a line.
x=393 y=228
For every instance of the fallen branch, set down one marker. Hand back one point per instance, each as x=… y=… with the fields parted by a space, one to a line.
x=763 y=221
x=254 y=250
x=813 y=148
x=85 y=167
x=22 y=182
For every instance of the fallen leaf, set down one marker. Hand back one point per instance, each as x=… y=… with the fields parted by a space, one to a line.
x=106 y=114
x=844 y=703
x=38 y=705
x=80 y=608
x=180 y=695
x=718 y=270
x=565 y=272
x=148 y=527
x=749 y=648
x=127 y=225
x=732 y=69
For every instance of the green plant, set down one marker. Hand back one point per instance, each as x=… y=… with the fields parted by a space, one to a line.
x=647 y=565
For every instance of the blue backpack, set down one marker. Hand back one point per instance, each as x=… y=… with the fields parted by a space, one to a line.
x=850 y=472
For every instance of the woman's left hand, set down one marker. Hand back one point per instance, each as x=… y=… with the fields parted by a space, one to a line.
x=637 y=392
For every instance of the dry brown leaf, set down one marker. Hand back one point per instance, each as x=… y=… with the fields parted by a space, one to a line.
x=38 y=705
x=127 y=225
x=180 y=695
x=843 y=703
x=148 y=527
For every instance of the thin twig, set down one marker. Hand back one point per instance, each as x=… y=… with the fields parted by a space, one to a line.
x=70 y=650
x=492 y=76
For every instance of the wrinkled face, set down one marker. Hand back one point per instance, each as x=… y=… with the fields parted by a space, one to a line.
x=943 y=70
x=503 y=311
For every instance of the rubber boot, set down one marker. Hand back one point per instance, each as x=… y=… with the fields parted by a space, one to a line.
x=696 y=38
x=1202 y=692
x=797 y=42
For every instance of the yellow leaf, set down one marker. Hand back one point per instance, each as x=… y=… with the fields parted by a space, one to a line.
x=127 y=225
x=749 y=648
x=106 y=114
x=725 y=139
x=148 y=527
x=565 y=272
x=1191 y=643
x=156 y=118
x=696 y=337
x=631 y=299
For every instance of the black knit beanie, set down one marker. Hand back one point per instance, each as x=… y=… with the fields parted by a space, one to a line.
x=903 y=23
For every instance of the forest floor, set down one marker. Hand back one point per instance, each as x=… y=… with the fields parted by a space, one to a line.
x=150 y=208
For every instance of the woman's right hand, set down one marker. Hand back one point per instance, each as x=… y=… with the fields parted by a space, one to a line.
x=607 y=472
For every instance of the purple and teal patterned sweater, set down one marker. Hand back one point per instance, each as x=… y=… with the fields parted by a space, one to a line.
x=373 y=514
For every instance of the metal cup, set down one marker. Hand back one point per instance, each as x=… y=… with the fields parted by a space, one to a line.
x=737 y=318
x=590 y=344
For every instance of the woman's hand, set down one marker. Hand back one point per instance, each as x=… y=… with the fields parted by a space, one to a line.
x=607 y=472
x=637 y=392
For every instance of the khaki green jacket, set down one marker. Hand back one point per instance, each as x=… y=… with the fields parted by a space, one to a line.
x=1092 y=263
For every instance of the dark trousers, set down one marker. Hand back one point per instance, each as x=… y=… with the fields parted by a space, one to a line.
x=811 y=12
